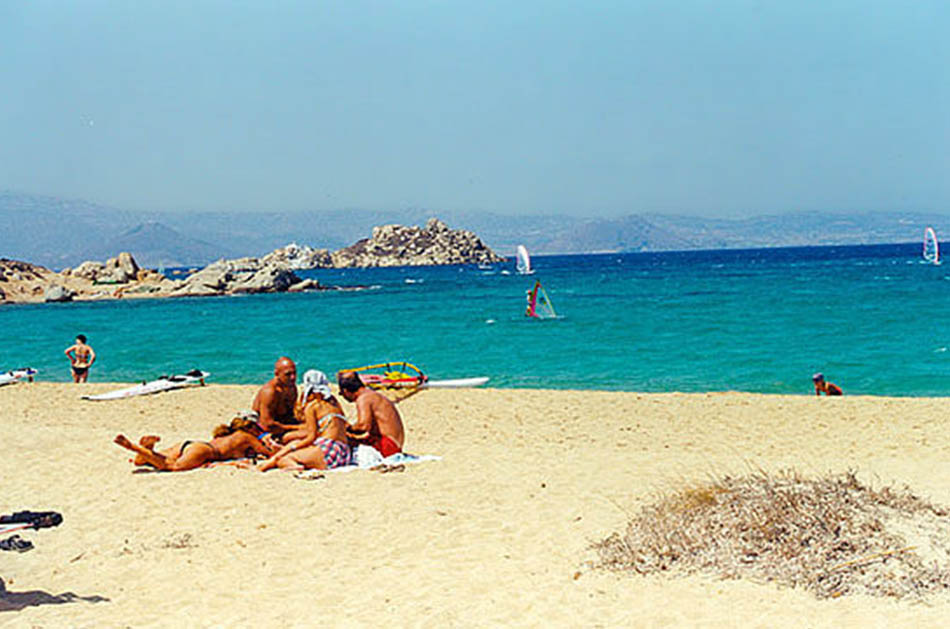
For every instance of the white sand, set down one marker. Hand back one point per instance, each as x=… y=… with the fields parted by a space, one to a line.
x=497 y=533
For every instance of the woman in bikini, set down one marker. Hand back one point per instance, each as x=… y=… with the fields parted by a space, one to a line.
x=321 y=444
x=239 y=439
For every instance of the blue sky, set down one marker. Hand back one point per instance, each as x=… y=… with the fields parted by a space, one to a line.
x=726 y=109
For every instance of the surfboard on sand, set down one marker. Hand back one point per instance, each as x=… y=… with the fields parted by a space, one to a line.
x=457 y=383
x=195 y=377
x=15 y=375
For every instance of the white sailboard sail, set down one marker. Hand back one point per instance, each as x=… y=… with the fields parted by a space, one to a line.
x=524 y=261
x=931 y=246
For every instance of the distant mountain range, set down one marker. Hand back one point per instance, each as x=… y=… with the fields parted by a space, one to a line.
x=58 y=232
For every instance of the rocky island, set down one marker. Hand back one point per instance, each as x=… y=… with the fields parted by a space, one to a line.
x=121 y=277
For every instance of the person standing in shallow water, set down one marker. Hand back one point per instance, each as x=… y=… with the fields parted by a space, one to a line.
x=81 y=356
x=822 y=386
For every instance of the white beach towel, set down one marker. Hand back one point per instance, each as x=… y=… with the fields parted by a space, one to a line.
x=367 y=457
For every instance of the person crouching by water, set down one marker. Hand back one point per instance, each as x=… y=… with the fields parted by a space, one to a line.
x=241 y=438
x=822 y=386
x=321 y=443
x=81 y=357
x=378 y=423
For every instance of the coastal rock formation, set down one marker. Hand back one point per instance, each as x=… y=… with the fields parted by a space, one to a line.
x=58 y=293
x=398 y=245
x=23 y=282
x=121 y=269
x=243 y=275
x=121 y=276
x=295 y=256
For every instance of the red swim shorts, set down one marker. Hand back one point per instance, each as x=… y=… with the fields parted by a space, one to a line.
x=385 y=445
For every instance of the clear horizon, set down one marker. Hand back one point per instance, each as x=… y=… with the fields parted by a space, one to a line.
x=728 y=110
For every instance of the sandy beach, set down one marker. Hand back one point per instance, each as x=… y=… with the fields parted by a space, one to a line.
x=497 y=533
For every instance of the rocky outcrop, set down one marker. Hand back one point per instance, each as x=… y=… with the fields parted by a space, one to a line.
x=119 y=270
x=390 y=245
x=243 y=275
x=58 y=293
x=434 y=244
x=295 y=256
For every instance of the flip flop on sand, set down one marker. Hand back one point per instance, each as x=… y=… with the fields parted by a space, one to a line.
x=384 y=468
x=16 y=543
x=309 y=474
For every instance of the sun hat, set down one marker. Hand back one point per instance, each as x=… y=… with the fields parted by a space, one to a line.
x=315 y=381
x=247 y=413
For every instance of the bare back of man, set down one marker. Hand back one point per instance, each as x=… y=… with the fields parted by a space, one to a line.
x=378 y=422
x=274 y=402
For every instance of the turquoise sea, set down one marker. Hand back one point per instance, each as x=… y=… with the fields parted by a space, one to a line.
x=870 y=317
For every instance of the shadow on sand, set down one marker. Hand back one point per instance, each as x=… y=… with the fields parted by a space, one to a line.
x=16 y=601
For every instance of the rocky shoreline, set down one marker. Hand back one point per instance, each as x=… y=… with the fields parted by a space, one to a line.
x=121 y=277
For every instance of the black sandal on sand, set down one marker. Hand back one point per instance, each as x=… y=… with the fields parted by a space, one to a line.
x=16 y=543
x=38 y=519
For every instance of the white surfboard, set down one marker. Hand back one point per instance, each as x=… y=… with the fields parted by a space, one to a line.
x=194 y=377
x=15 y=375
x=458 y=383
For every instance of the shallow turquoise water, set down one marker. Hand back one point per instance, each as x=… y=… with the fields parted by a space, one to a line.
x=870 y=317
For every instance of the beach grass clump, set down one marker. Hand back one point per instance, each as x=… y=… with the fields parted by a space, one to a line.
x=831 y=535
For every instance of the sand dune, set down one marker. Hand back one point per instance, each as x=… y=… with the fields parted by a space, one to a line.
x=496 y=533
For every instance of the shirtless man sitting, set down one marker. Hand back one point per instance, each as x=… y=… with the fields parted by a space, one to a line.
x=275 y=400
x=377 y=421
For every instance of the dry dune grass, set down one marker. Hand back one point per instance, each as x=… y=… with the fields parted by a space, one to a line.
x=831 y=535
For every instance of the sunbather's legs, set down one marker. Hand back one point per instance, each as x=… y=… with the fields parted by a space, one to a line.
x=146 y=456
x=310 y=457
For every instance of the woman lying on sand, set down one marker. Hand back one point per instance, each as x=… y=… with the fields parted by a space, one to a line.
x=240 y=439
x=321 y=443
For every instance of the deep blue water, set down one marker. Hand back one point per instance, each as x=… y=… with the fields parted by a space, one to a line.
x=869 y=317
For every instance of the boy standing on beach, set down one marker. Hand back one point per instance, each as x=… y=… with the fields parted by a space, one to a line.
x=828 y=388
x=81 y=357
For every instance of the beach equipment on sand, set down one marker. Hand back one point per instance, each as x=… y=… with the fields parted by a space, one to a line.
x=195 y=377
x=931 y=251
x=22 y=520
x=15 y=375
x=539 y=304
x=404 y=378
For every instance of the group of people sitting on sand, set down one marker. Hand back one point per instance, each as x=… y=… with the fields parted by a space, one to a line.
x=294 y=427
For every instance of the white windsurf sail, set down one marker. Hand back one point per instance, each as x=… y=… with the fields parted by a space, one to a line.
x=931 y=246
x=524 y=261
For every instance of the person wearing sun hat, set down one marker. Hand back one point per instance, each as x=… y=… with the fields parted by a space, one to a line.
x=321 y=443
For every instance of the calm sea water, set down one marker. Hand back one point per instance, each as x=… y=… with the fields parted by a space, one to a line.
x=870 y=317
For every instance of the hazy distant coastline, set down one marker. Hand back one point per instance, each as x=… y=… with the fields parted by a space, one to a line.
x=57 y=232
